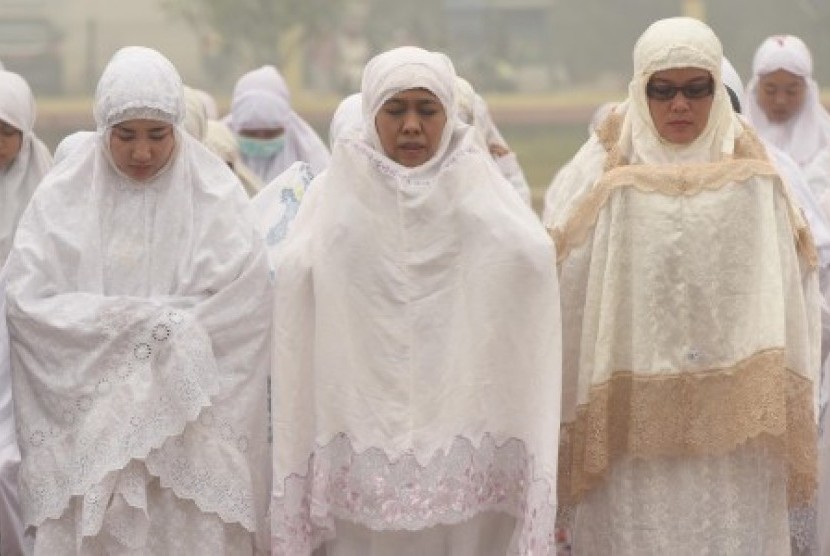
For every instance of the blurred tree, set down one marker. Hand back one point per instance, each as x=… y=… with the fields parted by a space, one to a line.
x=256 y=32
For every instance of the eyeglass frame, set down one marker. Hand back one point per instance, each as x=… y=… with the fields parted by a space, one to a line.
x=689 y=90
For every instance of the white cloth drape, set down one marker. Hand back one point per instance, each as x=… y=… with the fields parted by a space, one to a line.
x=417 y=348
x=139 y=328
x=20 y=178
x=12 y=539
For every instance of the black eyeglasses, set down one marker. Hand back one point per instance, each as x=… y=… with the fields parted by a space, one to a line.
x=693 y=90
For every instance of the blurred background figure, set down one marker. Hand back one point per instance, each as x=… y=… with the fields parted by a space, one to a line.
x=472 y=110
x=24 y=159
x=270 y=135
x=222 y=142
x=783 y=104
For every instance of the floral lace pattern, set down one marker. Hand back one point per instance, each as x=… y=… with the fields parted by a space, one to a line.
x=685 y=415
x=675 y=180
x=103 y=441
x=370 y=489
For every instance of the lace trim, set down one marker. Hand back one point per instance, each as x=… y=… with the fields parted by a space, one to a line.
x=387 y=167
x=49 y=479
x=381 y=494
x=688 y=414
x=674 y=180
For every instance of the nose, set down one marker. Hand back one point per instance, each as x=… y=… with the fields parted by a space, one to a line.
x=141 y=152
x=679 y=103
x=411 y=122
x=780 y=98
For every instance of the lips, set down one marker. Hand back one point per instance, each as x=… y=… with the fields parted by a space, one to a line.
x=411 y=146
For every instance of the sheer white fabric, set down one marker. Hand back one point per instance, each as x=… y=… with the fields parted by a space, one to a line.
x=261 y=101
x=139 y=327
x=472 y=109
x=807 y=133
x=277 y=205
x=195 y=116
x=12 y=539
x=19 y=179
x=417 y=342
x=673 y=276
x=348 y=115
x=70 y=143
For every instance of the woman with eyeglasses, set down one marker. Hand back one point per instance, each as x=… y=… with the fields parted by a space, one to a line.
x=690 y=323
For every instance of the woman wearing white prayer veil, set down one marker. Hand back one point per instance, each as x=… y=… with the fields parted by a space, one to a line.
x=24 y=159
x=784 y=105
x=277 y=204
x=690 y=313
x=137 y=309
x=417 y=335
x=472 y=110
x=271 y=136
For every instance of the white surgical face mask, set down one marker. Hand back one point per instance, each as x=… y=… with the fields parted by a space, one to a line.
x=260 y=148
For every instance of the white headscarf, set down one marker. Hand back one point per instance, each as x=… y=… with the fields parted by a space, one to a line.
x=153 y=298
x=732 y=80
x=348 y=115
x=20 y=178
x=806 y=133
x=417 y=338
x=211 y=109
x=195 y=115
x=261 y=101
x=70 y=144
x=221 y=141
x=693 y=44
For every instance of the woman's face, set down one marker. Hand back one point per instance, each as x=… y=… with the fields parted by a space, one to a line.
x=410 y=125
x=11 y=139
x=781 y=94
x=679 y=100
x=140 y=148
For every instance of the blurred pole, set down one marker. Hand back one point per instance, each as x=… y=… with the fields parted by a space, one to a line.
x=695 y=9
x=90 y=69
x=291 y=55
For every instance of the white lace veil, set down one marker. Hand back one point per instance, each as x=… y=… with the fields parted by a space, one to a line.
x=165 y=278
x=675 y=43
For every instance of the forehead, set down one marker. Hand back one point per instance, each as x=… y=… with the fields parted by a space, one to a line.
x=142 y=125
x=414 y=95
x=4 y=125
x=781 y=77
x=681 y=75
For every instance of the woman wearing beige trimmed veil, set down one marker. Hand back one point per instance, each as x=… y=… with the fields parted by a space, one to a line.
x=416 y=390
x=690 y=310
x=138 y=312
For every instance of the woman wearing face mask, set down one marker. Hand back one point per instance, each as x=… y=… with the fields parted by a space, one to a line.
x=271 y=136
x=416 y=334
x=136 y=297
x=691 y=329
